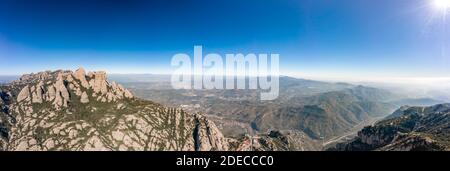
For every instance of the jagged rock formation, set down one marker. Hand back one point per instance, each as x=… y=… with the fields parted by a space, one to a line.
x=65 y=110
x=409 y=128
x=287 y=140
x=55 y=88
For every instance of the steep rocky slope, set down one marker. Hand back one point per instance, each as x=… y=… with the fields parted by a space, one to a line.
x=287 y=140
x=408 y=128
x=65 y=110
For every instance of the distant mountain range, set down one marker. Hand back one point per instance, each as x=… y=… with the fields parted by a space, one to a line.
x=416 y=102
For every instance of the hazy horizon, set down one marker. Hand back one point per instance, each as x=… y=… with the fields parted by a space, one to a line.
x=333 y=78
x=414 y=87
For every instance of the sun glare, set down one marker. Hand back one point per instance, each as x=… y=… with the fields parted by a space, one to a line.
x=442 y=4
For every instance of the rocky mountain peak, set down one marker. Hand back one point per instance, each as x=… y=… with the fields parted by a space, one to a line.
x=80 y=74
x=60 y=87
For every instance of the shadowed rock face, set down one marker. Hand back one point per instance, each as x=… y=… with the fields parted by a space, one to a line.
x=409 y=128
x=65 y=110
x=5 y=118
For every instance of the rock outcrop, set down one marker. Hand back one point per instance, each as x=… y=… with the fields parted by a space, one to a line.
x=59 y=84
x=24 y=94
x=207 y=136
x=38 y=92
x=80 y=74
x=84 y=98
x=98 y=82
x=274 y=140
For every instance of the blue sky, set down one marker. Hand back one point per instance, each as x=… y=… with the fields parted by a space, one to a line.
x=315 y=38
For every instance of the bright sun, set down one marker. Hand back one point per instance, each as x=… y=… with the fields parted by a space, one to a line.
x=442 y=4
